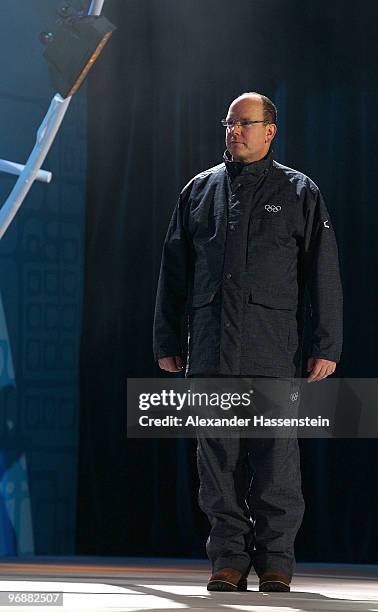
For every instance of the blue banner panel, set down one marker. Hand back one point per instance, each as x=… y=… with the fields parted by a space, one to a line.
x=41 y=268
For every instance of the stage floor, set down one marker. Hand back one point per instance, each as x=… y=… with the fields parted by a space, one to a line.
x=99 y=584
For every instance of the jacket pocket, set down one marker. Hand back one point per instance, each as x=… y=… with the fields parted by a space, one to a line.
x=270 y=326
x=273 y=299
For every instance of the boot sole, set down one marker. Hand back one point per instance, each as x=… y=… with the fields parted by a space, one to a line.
x=222 y=585
x=274 y=586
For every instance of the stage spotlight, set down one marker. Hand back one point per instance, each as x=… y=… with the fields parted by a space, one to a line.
x=73 y=47
x=46 y=37
x=66 y=11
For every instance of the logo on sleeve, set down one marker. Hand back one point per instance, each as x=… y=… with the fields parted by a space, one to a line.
x=325 y=223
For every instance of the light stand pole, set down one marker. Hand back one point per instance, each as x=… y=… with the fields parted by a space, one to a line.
x=46 y=134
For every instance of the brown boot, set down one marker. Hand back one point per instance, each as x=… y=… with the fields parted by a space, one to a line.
x=274 y=581
x=227 y=579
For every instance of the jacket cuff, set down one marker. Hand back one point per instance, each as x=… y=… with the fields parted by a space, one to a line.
x=318 y=354
x=167 y=352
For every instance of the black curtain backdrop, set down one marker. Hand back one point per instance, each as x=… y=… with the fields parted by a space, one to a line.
x=155 y=101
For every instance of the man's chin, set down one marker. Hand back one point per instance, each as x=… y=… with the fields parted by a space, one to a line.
x=235 y=150
x=237 y=158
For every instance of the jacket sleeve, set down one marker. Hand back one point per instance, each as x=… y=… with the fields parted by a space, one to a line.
x=323 y=280
x=172 y=288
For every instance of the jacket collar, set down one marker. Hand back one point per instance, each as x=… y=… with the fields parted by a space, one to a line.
x=255 y=169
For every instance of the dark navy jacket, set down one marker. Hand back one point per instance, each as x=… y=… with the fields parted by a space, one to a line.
x=246 y=244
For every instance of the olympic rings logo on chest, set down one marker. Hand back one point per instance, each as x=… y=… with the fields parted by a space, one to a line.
x=272 y=207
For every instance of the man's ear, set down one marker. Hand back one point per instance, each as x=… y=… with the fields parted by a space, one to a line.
x=271 y=130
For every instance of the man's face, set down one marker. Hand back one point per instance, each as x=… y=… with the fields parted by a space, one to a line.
x=250 y=143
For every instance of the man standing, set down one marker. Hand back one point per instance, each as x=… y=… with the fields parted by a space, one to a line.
x=249 y=241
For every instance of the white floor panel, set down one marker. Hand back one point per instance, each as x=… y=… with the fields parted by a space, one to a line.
x=156 y=587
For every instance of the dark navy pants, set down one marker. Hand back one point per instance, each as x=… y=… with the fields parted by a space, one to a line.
x=250 y=490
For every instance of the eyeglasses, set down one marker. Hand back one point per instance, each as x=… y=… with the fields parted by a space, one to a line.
x=244 y=123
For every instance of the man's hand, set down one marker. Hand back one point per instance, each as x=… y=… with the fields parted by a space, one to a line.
x=171 y=364
x=319 y=368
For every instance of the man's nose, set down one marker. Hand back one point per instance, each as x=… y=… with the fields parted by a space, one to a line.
x=236 y=127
